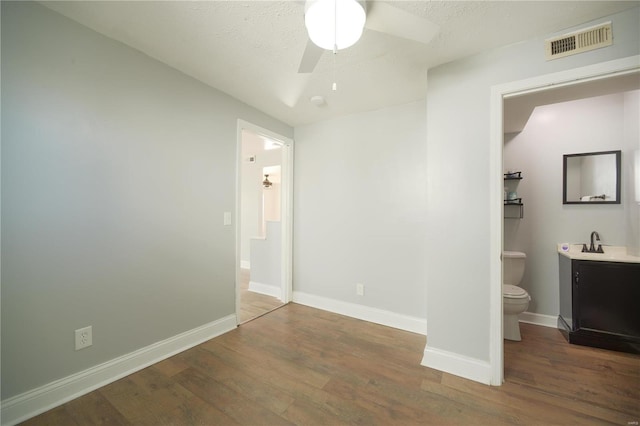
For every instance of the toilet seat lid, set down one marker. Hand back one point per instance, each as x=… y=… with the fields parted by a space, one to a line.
x=509 y=290
x=514 y=255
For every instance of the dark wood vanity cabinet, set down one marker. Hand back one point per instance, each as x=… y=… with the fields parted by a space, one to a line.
x=600 y=304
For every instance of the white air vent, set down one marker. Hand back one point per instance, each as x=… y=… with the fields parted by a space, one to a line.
x=579 y=41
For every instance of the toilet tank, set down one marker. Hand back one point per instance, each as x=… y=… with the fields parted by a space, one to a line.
x=512 y=267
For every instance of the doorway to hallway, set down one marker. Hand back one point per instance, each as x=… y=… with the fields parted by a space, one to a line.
x=263 y=226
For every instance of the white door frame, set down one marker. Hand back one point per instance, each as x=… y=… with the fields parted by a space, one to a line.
x=500 y=92
x=286 y=209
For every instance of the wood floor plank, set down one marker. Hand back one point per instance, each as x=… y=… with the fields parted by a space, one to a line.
x=252 y=304
x=197 y=412
x=279 y=375
x=436 y=408
x=170 y=367
x=384 y=409
x=303 y=412
x=586 y=385
x=131 y=401
x=58 y=416
x=238 y=379
x=504 y=407
x=356 y=357
x=95 y=409
x=227 y=400
x=277 y=363
x=303 y=366
x=320 y=356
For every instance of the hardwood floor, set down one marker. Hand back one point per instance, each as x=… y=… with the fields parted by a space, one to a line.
x=303 y=366
x=253 y=305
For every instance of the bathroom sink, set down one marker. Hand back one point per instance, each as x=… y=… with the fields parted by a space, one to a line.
x=611 y=253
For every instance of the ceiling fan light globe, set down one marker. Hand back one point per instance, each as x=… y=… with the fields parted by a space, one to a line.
x=328 y=27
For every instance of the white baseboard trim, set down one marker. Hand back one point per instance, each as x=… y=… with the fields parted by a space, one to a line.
x=245 y=264
x=459 y=365
x=366 y=313
x=539 y=319
x=266 y=289
x=31 y=403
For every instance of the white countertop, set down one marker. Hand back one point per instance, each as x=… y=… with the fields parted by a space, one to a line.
x=611 y=254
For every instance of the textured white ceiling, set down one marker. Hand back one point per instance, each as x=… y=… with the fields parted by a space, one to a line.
x=252 y=49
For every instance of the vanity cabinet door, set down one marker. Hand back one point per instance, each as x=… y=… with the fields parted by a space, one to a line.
x=608 y=294
x=566 y=291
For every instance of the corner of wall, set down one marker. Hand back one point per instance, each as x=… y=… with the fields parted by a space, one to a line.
x=458 y=365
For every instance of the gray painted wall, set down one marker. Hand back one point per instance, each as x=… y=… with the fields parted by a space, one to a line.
x=631 y=171
x=266 y=258
x=586 y=125
x=458 y=132
x=360 y=207
x=116 y=171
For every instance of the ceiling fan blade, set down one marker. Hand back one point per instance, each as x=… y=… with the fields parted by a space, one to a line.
x=290 y=88
x=388 y=19
x=310 y=58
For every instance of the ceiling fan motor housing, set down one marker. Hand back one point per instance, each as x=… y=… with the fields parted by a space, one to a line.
x=335 y=23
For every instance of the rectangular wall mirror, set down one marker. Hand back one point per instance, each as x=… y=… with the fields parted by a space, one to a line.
x=591 y=178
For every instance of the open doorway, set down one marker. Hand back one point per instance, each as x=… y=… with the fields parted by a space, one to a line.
x=561 y=86
x=263 y=247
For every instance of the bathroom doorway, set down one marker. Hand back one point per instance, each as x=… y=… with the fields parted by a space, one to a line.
x=263 y=225
x=576 y=83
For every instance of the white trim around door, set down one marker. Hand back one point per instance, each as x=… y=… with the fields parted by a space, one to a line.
x=500 y=92
x=286 y=208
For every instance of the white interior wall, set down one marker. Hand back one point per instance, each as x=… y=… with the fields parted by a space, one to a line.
x=116 y=172
x=459 y=180
x=359 y=208
x=586 y=125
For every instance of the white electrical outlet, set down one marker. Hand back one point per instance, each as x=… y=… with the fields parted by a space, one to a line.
x=360 y=289
x=84 y=337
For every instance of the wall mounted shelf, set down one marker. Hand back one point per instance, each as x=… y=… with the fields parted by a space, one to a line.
x=513 y=176
x=513 y=208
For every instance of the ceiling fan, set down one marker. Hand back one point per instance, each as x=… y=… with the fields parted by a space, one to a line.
x=337 y=24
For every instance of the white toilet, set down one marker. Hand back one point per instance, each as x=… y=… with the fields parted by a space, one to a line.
x=515 y=300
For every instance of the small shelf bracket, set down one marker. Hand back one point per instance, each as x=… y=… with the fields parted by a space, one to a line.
x=510 y=205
